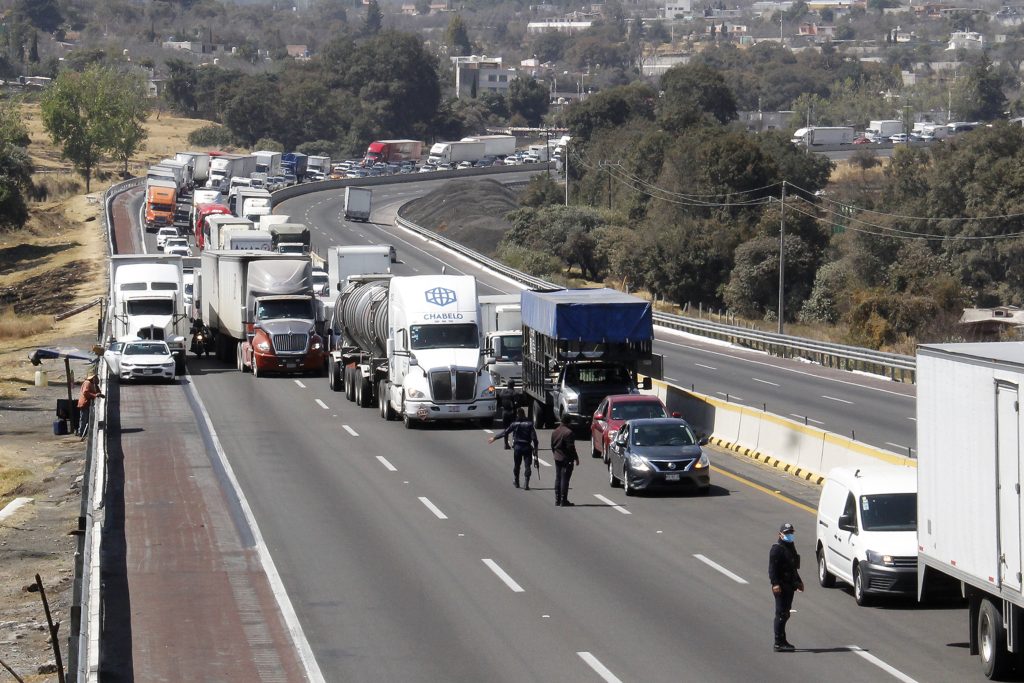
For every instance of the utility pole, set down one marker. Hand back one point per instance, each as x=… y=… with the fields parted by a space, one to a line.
x=609 y=187
x=782 y=258
x=566 y=164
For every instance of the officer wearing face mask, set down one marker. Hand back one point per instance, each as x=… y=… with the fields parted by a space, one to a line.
x=783 y=572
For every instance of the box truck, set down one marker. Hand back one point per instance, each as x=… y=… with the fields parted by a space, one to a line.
x=268 y=163
x=501 y=323
x=452 y=153
x=357 y=203
x=343 y=262
x=147 y=300
x=824 y=135
x=881 y=131
x=495 y=145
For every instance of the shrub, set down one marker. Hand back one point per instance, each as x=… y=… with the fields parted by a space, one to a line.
x=211 y=136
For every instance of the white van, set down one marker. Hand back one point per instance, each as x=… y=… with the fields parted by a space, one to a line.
x=867 y=531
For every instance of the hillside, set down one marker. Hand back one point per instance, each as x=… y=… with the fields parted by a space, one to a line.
x=471 y=212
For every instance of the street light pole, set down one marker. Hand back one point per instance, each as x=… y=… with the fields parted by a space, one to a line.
x=782 y=258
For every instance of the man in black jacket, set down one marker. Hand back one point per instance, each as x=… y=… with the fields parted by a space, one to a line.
x=508 y=400
x=783 y=572
x=563 y=450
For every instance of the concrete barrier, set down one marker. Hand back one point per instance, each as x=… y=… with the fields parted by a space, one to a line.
x=801 y=450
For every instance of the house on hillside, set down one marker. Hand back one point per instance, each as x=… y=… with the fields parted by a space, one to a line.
x=988 y=324
x=557 y=26
x=475 y=74
x=966 y=40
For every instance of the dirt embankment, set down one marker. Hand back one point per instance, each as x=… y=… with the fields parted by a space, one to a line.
x=469 y=211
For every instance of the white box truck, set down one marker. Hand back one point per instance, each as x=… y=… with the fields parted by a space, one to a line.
x=147 y=299
x=215 y=224
x=319 y=165
x=495 y=145
x=881 y=131
x=268 y=163
x=252 y=203
x=200 y=163
x=242 y=239
x=411 y=347
x=969 y=488
x=501 y=323
x=357 y=203
x=824 y=135
x=451 y=153
x=343 y=262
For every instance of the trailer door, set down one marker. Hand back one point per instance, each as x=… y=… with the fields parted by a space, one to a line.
x=1008 y=454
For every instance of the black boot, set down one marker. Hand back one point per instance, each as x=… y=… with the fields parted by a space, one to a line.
x=527 y=487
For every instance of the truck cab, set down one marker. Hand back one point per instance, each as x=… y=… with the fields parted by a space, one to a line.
x=581 y=386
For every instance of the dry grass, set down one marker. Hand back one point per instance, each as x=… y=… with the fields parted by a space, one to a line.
x=11 y=479
x=14 y=326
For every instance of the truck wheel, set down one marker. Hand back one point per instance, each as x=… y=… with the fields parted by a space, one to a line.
x=995 y=660
x=333 y=381
x=825 y=578
x=407 y=421
x=255 y=367
x=386 y=411
x=350 y=389
x=238 y=359
x=365 y=392
x=539 y=415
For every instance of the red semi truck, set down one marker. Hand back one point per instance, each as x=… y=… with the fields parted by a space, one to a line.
x=393 y=152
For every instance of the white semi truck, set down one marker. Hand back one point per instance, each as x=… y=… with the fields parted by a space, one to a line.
x=451 y=153
x=147 y=299
x=969 y=478
x=411 y=346
x=824 y=135
x=268 y=163
x=495 y=145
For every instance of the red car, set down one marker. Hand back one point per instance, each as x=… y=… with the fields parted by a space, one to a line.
x=616 y=410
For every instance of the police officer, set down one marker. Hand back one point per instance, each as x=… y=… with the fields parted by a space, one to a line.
x=508 y=401
x=783 y=572
x=524 y=445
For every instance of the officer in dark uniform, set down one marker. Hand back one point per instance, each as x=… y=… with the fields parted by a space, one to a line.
x=783 y=572
x=508 y=401
x=524 y=445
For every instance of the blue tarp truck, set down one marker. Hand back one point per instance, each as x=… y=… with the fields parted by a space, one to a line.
x=580 y=345
x=295 y=163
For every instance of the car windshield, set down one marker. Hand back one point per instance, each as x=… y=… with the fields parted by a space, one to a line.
x=597 y=374
x=148 y=349
x=635 y=410
x=150 y=306
x=670 y=434
x=889 y=512
x=285 y=308
x=461 y=336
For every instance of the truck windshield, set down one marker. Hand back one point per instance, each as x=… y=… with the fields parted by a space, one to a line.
x=285 y=308
x=461 y=336
x=889 y=512
x=150 y=307
x=165 y=208
x=597 y=374
x=510 y=347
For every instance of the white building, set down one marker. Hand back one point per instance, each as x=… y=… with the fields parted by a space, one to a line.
x=475 y=74
x=674 y=8
x=557 y=26
x=966 y=40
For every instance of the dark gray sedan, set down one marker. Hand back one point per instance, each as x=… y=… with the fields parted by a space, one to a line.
x=658 y=453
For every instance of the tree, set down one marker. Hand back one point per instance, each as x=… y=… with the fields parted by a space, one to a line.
x=374 y=19
x=43 y=14
x=527 y=98
x=457 y=38
x=33 y=50
x=978 y=93
x=12 y=125
x=80 y=111
x=179 y=90
x=15 y=180
x=694 y=93
x=422 y=7
x=125 y=131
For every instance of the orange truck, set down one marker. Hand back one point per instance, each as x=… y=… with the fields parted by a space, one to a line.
x=161 y=202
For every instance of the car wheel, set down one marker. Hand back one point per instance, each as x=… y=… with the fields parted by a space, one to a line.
x=407 y=421
x=613 y=481
x=594 y=452
x=627 y=488
x=607 y=459
x=826 y=579
x=858 y=588
x=995 y=660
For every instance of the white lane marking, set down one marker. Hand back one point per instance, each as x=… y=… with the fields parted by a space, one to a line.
x=599 y=668
x=544 y=462
x=784 y=368
x=322 y=404
x=276 y=584
x=840 y=400
x=433 y=508
x=350 y=430
x=384 y=461
x=714 y=565
x=500 y=573
x=488 y=431
x=611 y=503
x=764 y=381
x=896 y=445
x=701 y=365
x=893 y=671
x=731 y=397
x=809 y=419
x=301 y=385
x=912 y=419
x=671 y=379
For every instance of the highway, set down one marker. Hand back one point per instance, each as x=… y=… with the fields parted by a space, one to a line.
x=409 y=556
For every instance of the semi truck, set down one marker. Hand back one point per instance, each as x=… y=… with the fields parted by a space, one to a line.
x=969 y=477
x=501 y=323
x=881 y=131
x=161 y=202
x=343 y=262
x=580 y=345
x=319 y=164
x=290 y=238
x=200 y=163
x=239 y=238
x=227 y=166
x=357 y=203
x=392 y=152
x=199 y=217
x=216 y=223
x=452 y=153
x=824 y=135
x=260 y=310
x=411 y=346
x=147 y=300
x=252 y=203
x=182 y=173
x=268 y=163
x=495 y=145
x=265 y=222
x=295 y=163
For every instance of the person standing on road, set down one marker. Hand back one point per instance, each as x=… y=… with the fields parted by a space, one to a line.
x=784 y=574
x=524 y=445
x=508 y=401
x=90 y=390
x=563 y=450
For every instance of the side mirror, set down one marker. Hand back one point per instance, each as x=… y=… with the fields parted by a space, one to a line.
x=646 y=384
x=676 y=414
x=598 y=416
x=703 y=441
x=848 y=523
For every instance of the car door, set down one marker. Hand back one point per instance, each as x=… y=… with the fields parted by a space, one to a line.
x=112 y=356
x=618 y=450
x=842 y=548
x=598 y=427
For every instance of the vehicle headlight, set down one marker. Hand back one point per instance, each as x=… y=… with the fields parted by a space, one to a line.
x=639 y=463
x=415 y=393
x=127 y=364
x=703 y=463
x=879 y=558
x=263 y=346
x=572 y=401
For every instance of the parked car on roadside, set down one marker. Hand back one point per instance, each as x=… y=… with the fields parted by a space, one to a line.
x=614 y=411
x=658 y=453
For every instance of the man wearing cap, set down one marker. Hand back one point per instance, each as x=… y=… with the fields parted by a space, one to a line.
x=783 y=572
x=90 y=390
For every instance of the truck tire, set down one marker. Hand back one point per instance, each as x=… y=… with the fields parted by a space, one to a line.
x=859 y=594
x=407 y=421
x=995 y=660
x=386 y=411
x=539 y=415
x=350 y=389
x=238 y=359
x=333 y=378
x=365 y=392
x=255 y=368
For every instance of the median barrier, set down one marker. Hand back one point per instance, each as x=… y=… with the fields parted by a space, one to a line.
x=801 y=450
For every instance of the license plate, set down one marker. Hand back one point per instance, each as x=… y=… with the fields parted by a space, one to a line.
x=671 y=477
x=453 y=409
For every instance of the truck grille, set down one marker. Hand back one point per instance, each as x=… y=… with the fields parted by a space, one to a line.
x=441 y=385
x=290 y=343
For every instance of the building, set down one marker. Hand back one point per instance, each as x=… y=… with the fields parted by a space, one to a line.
x=675 y=8
x=988 y=324
x=657 y=65
x=479 y=74
x=299 y=52
x=817 y=31
x=557 y=26
x=966 y=40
